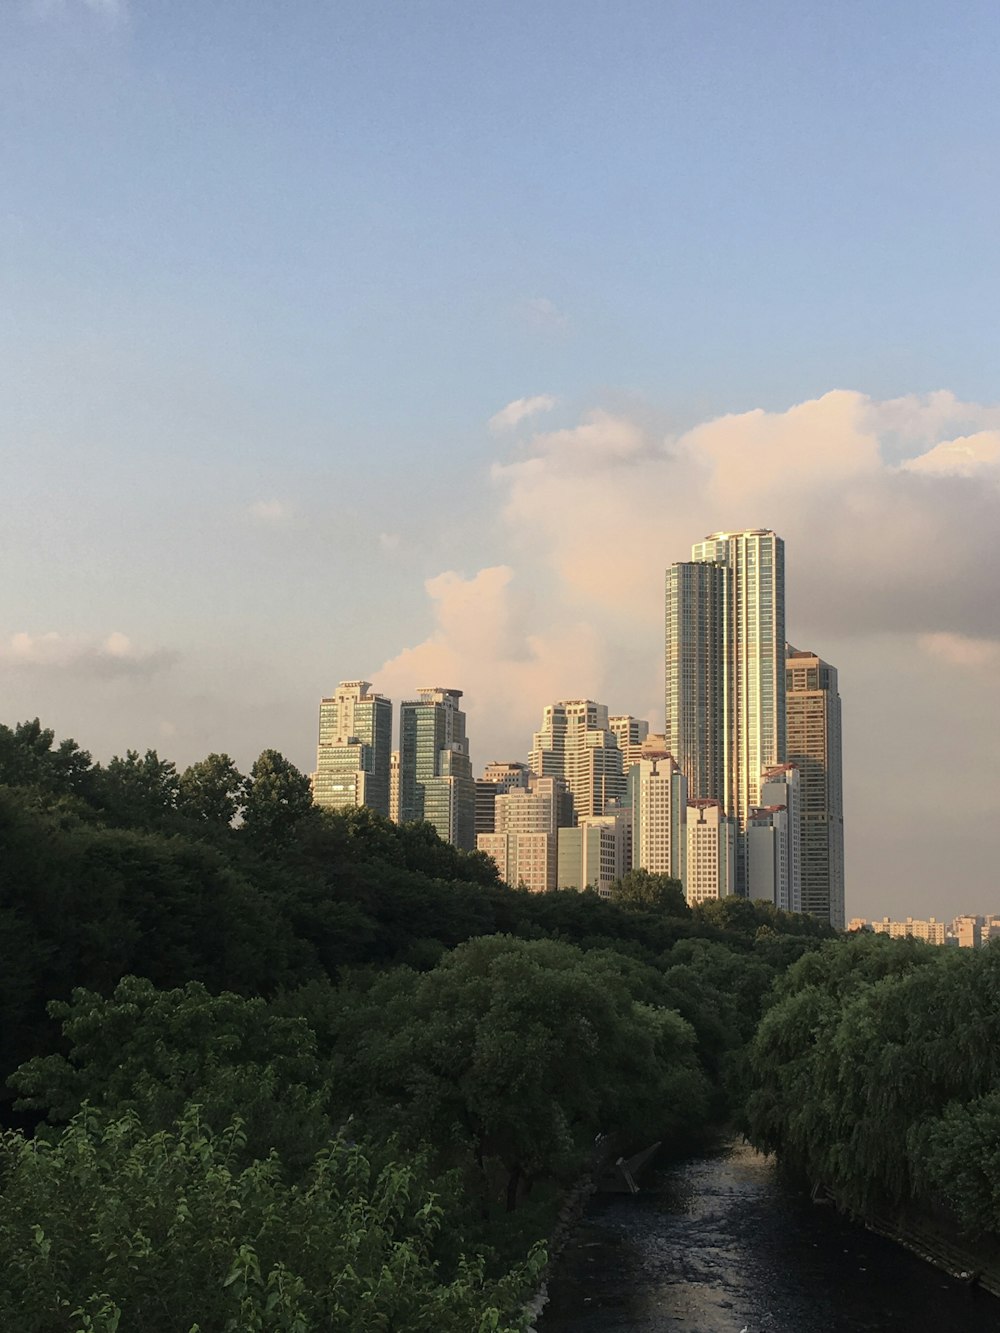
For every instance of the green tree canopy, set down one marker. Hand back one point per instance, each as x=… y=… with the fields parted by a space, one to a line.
x=138 y=791
x=658 y=893
x=211 y=791
x=277 y=798
x=113 y=1229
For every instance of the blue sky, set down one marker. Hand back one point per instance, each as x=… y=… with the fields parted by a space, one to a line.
x=269 y=269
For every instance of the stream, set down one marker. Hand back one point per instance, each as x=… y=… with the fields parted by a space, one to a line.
x=722 y=1244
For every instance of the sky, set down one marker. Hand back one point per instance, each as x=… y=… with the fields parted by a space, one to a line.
x=411 y=341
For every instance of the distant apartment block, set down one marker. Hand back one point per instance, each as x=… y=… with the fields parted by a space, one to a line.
x=813 y=711
x=657 y=800
x=710 y=871
x=394 y=786
x=575 y=742
x=524 y=844
x=435 y=771
x=497 y=778
x=630 y=733
x=353 y=754
x=774 y=853
x=595 y=853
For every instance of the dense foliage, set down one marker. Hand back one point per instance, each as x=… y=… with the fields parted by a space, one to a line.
x=877 y=1073
x=285 y=1068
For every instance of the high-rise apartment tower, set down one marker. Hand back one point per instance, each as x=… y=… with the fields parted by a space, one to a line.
x=725 y=673
x=812 y=704
x=435 y=771
x=575 y=742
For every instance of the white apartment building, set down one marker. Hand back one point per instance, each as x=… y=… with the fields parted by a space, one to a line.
x=711 y=852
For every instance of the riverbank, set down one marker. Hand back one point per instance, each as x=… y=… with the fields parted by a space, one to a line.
x=720 y=1244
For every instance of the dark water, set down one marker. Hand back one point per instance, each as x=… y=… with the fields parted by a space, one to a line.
x=722 y=1245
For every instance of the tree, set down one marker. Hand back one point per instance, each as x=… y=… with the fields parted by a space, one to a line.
x=277 y=797
x=138 y=792
x=211 y=791
x=521 y=1051
x=151 y=1051
x=28 y=759
x=111 y=1227
x=657 y=893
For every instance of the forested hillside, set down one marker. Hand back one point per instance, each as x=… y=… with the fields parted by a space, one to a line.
x=267 y=1067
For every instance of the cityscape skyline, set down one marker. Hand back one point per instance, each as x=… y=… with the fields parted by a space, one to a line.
x=337 y=344
x=741 y=794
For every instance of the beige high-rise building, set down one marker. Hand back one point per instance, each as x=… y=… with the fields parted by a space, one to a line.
x=814 y=745
x=575 y=742
x=968 y=931
x=657 y=800
x=394 y=786
x=774 y=840
x=524 y=844
x=711 y=852
x=498 y=777
x=630 y=733
x=595 y=853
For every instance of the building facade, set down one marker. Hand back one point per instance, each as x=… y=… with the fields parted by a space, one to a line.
x=575 y=742
x=630 y=733
x=725 y=674
x=710 y=870
x=353 y=754
x=812 y=703
x=497 y=778
x=524 y=844
x=435 y=771
x=777 y=874
x=696 y=702
x=657 y=800
x=595 y=853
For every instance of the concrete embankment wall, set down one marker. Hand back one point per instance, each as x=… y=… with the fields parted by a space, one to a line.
x=938 y=1239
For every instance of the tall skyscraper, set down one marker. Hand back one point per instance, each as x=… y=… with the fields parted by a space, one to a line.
x=657 y=799
x=575 y=742
x=725 y=676
x=352 y=758
x=697 y=706
x=814 y=746
x=435 y=771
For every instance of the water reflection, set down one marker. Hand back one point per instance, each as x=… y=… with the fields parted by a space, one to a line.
x=721 y=1245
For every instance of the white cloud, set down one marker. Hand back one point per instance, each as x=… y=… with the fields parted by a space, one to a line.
x=54 y=652
x=389 y=541
x=968 y=456
x=519 y=410
x=958 y=650
x=271 y=512
x=871 y=546
x=489 y=641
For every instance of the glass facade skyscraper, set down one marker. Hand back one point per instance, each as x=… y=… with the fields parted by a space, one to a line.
x=355 y=741
x=725 y=671
x=814 y=746
x=435 y=771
